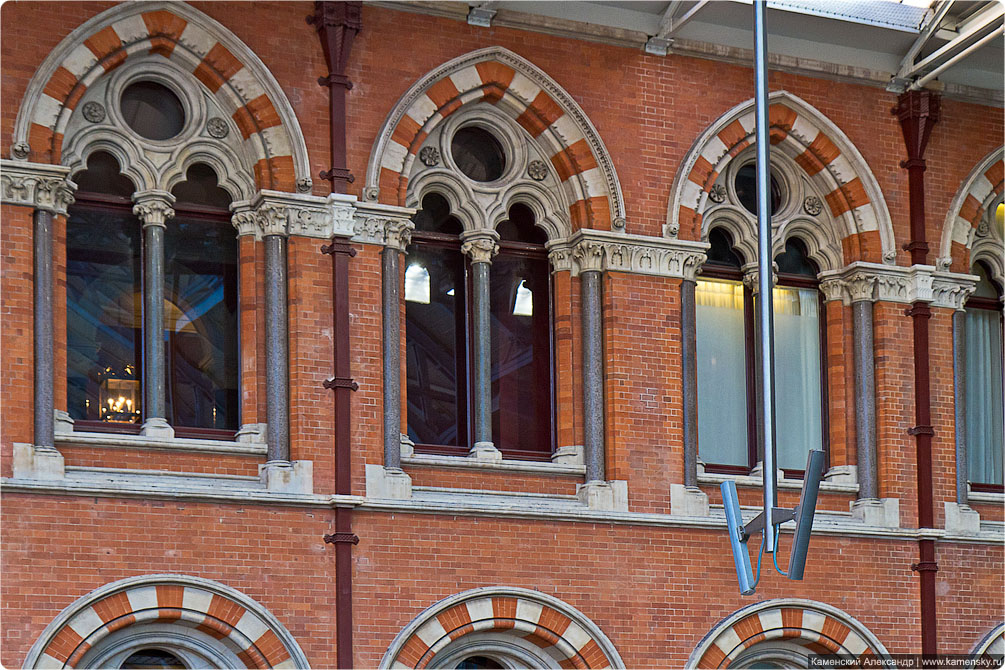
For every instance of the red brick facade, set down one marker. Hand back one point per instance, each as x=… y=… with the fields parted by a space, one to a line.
x=654 y=584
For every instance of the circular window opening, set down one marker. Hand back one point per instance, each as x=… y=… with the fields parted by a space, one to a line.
x=152 y=658
x=478 y=154
x=746 y=189
x=479 y=663
x=152 y=110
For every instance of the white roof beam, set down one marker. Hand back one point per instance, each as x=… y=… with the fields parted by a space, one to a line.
x=659 y=44
x=926 y=34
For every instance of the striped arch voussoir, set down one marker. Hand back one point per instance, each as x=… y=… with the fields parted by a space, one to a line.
x=128 y=31
x=819 y=629
x=242 y=631
x=548 y=114
x=981 y=190
x=813 y=146
x=555 y=633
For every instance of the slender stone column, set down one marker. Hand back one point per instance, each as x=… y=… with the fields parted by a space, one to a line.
x=590 y=257
x=689 y=378
x=861 y=291
x=154 y=209
x=480 y=246
x=44 y=435
x=960 y=384
x=398 y=233
x=277 y=350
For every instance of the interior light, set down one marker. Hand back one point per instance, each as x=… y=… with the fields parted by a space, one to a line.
x=1000 y=218
x=417 y=284
x=524 y=303
x=451 y=293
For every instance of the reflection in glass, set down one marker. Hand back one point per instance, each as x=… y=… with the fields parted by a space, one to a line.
x=152 y=659
x=103 y=303
x=433 y=332
x=200 y=319
x=478 y=154
x=745 y=184
x=152 y=110
x=722 y=401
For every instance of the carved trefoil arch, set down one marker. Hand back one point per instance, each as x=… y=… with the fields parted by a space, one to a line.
x=853 y=217
x=969 y=232
x=252 y=100
x=555 y=123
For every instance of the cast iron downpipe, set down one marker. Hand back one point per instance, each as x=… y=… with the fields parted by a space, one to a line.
x=918 y=111
x=337 y=24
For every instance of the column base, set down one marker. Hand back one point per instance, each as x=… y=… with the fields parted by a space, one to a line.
x=883 y=512
x=31 y=462
x=407 y=447
x=251 y=433
x=688 y=501
x=485 y=451
x=386 y=483
x=288 y=476
x=62 y=422
x=842 y=474
x=571 y=455
x=611 y=496
x=157 y=427
x=962 y=519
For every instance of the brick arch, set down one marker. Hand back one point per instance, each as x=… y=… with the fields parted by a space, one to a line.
x=216 y=57
x=559 y=630
x=981 y=189
x=819 y=627
x=818 y=147
x=533 y=100
x=238 y=622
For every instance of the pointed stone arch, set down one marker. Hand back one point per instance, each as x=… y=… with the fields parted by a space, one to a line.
x=533 y=100
x=554 y=633
x=818 y=627
x=967 y=232
x=820 y=150
x=191 y=40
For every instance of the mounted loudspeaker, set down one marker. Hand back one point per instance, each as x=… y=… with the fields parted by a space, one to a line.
x=804 y=513
x=741 y=559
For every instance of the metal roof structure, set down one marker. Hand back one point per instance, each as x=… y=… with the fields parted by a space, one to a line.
x=955 y=46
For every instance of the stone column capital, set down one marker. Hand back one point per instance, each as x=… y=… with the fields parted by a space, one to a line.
x=861 y=287
x=752 y=274
x=244 y=219
x=480 y=245
x=833 y=288
x=589 y=256
x=43 y=187
x=398 y=233
x=153 y=207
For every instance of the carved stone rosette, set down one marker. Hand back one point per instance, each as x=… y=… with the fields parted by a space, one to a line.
x=35 y=185
x=153 y=208
x=480 y=245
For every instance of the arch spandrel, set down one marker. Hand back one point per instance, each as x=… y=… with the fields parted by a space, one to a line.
x=553 y=120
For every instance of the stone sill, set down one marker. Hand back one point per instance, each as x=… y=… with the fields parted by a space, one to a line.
x=544 y=468
x=986 y=497
x=118 y=440
x=782 y=483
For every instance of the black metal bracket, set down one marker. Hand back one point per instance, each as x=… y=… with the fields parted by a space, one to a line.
x=925 y=566
x=342 y=538
x=921 y=430
x=341 y=383
x=336 y=79
x=778 y=515
x=919 y=309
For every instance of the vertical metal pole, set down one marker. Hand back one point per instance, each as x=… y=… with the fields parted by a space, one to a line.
x=765 y=303
x=44 y=373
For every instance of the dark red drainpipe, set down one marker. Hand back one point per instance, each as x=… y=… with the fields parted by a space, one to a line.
x=918 y=112
x=337 y=24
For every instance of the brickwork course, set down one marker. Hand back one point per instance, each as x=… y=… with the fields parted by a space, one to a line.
x=637 y=586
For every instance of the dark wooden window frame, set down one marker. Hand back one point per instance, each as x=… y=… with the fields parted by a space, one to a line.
x=104 y=201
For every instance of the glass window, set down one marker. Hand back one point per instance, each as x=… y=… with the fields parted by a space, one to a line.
x=745 y=184
x=478 y=154
x=727 y=359
x=152 y=110
x=152 y=659
x=984 y=383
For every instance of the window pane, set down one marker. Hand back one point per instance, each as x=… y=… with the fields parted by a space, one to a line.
x=722 y=402
x=152 y=659
x=521 y=353
x=103 y=315
x=984 y=395
x=797 y=376
x=200 y=318
x=434 y=322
